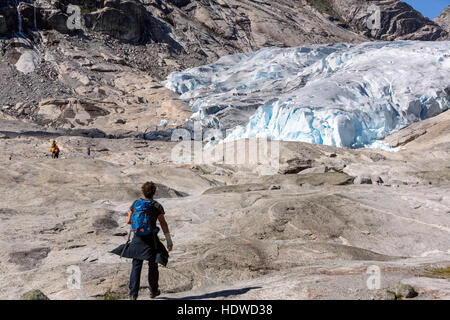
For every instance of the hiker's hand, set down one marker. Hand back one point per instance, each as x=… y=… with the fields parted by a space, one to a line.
x=169 y=241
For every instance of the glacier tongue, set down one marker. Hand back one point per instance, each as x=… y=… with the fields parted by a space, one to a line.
x=341 y=94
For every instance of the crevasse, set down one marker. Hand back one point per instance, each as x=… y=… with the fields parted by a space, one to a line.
x=342 y=95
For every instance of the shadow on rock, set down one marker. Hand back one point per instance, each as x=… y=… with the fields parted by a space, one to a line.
x=217 y=294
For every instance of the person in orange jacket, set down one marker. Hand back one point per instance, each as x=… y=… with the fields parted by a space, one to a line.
x=54 y=150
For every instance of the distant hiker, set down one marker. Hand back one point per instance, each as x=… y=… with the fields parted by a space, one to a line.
x=146 y=245
x=54 y=150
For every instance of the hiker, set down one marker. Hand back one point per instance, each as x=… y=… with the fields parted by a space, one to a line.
x=54 y=150
x=146 y=245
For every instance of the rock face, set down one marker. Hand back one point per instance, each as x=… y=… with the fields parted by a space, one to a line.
x=124 y=20
x=444 y=19
x=399 y=21
x=3 y=25
x=426 y=134
x=405 y=291
x=159 y=37
x=8 y=18
x=57 y=20
x=218 y=27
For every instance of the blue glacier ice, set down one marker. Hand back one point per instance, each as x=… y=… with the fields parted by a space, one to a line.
x=343 y=95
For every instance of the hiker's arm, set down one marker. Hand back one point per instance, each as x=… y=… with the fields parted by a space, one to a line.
x=130 y=212
x=165 y=228
x=163 y=223
x=129 y=217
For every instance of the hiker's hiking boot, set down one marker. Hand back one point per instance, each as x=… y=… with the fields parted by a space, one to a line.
x=133 y=298
x=153 y=295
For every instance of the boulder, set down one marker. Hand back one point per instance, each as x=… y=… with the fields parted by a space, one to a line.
x=405 y=291
x=294 y=166
x=363 y=180
x=9 y=23
x=436 y=284
x=57 y=20
x=123 y=20
x=30 y=16
x=28 y=62
x=34 y=295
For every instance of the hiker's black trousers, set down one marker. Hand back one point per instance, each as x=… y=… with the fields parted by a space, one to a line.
x=135 y=277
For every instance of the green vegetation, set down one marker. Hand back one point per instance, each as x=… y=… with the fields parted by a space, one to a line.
x=441 y=273
x=86 y=6
x=110 y=295
x=169 y=19
x=325 y=6
x=34 y=295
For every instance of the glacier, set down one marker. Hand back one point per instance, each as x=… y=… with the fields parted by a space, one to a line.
x=344 y=95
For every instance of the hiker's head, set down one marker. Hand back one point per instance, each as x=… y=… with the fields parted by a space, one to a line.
x=149 y=189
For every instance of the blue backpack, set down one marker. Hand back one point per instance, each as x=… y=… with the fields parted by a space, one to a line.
x=141 y=217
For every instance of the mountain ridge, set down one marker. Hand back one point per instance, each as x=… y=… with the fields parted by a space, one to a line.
x=444 y=19
x=213 y=28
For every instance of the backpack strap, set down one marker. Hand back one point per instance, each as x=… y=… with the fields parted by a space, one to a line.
x=151 y=203
x=130 y=213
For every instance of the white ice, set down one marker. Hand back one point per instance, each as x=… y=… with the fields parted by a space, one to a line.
x=342 y=95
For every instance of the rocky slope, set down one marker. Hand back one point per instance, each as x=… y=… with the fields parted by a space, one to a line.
x=208 y=29
x=399 y=21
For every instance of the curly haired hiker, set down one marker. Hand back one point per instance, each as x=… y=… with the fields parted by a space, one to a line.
x=146 y=245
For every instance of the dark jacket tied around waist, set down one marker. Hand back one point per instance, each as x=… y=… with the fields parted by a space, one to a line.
x=146 y=247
